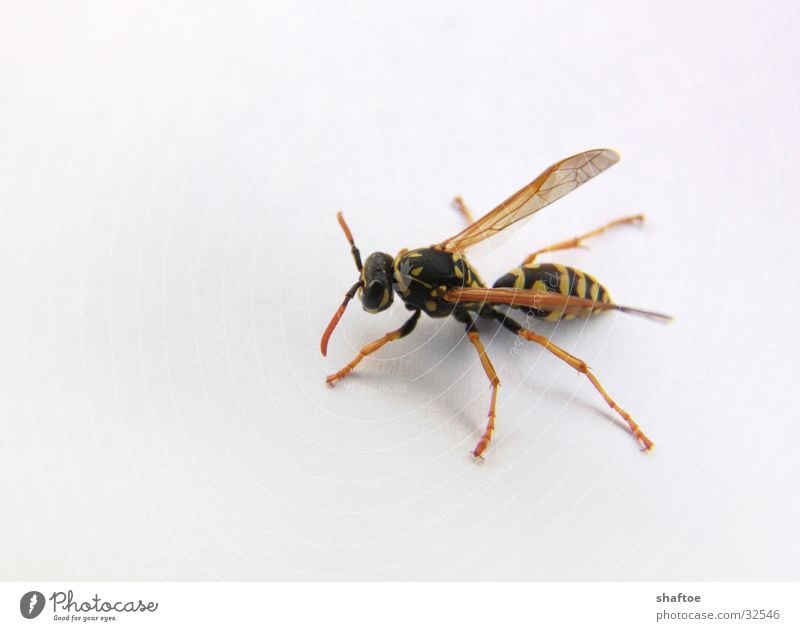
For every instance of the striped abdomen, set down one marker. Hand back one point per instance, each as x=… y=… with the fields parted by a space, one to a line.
x=558 y=279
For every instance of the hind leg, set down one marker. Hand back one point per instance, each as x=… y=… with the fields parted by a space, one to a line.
x=579 y=365
x=576 y=242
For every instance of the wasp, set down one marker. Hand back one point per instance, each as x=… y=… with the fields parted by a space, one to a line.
x=439 y=281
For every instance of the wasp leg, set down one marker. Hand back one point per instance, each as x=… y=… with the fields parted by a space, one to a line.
x=494 y=381
x=579 y=365
x=462 y=207
x=576 y=242
x=374 y=346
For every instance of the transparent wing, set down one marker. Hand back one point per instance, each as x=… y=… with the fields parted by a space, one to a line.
x=545 y=300
x=556 y=181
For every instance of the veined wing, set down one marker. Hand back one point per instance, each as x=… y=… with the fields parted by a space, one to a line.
x=545 y=300
x=556 y=181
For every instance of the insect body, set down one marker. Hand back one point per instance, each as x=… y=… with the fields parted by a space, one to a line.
x=439 y=281
x=425 y=275
x=557 y=279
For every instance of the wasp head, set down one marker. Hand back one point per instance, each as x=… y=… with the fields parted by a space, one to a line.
x=376 y=282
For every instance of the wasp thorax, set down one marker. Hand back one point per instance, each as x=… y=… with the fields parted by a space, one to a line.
x=376 y=282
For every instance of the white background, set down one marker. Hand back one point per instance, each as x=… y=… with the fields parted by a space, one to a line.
x=169 y=256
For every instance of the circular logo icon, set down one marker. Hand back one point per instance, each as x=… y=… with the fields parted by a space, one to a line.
x=31 y=604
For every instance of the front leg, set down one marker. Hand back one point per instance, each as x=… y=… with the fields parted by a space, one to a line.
x=374 y=346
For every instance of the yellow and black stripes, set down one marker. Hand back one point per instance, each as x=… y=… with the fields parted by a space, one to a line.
x=555 y=278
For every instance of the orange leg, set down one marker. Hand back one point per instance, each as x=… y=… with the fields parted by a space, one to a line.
x=472 y=333
x=483 y=443
x=462 y=207
x=576 y=242
x=374 y=346
x=580 y=366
